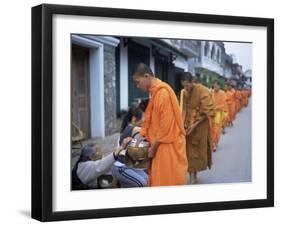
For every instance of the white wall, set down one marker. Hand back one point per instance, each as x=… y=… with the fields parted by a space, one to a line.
x=124 y=77
x=97 y=91
x=181 y=63
x=15 y=117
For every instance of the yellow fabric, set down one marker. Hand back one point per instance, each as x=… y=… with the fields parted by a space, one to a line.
x=218 y=117
x=181 y=100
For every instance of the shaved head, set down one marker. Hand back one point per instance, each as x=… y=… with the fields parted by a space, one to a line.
x=141 y=70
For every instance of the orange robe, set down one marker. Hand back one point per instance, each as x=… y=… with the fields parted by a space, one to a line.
x=219 y=99
x=197 y=105
x=229 y=99
x=250 y=92
x=242 y=99
x=163 y=123
x=248 y=95
x=245 y=96
x=225 y=116
x=233 y=106
x=238 y=98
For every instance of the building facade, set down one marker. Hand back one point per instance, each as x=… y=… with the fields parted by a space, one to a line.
x=102 y=86
x=101 y=75
x=93 y=78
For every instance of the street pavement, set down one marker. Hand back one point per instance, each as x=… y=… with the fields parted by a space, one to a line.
x=232 y=160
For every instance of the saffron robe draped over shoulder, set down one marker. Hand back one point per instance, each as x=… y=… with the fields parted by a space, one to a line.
x=231 y=105
x=228 y=102
x=163 y=123
x=219 y=98
x=238 y=101
x=198 y=104
x=245 y=96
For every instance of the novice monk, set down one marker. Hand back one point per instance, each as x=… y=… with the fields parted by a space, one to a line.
x=238 y=98
x=225 y=114
x=163 y=128
x=221 y=106
x=231 y=103
x=197 y=111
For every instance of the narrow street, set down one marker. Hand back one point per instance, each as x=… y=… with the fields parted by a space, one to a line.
x=232 y=160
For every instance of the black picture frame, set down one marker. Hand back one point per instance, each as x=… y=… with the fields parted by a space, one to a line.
x=42 y=107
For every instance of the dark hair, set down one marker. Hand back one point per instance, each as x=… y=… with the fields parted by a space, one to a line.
x=87 y=151
x=143 y=104
x=142 y=69
x=188 y=76
x=133 y=111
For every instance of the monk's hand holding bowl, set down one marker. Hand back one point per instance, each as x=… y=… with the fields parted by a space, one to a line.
x=152 y=150
x=190 y=129
x=193 y=126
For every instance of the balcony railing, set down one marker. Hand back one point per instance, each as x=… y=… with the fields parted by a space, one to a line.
x=188 y=47
x=211 y=65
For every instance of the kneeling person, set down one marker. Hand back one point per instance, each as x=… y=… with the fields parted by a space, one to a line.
x=91 y=165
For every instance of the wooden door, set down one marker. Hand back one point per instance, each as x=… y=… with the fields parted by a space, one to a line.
x=80 y=89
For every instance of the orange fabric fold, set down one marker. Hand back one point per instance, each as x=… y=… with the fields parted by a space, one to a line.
x=163 y=123
x=238 y=98
x=219 y=98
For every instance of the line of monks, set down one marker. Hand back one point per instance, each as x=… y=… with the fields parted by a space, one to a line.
x=183 y=134
x=228 y=103
x=206 y=112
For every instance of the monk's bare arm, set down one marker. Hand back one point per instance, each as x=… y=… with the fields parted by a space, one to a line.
x=153 y=149
x=207 y=109
x=192 y=127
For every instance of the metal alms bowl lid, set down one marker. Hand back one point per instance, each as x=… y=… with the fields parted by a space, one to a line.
x=138 y=142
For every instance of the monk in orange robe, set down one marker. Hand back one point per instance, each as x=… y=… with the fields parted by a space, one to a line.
x=242 y=99
x=248 y=91
x=245 y=96
x=231 y=103
x=219 y=99
x=225 y=115
x=229 y=99
x=163 y=128
x=238 y=98
x=197 y=111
